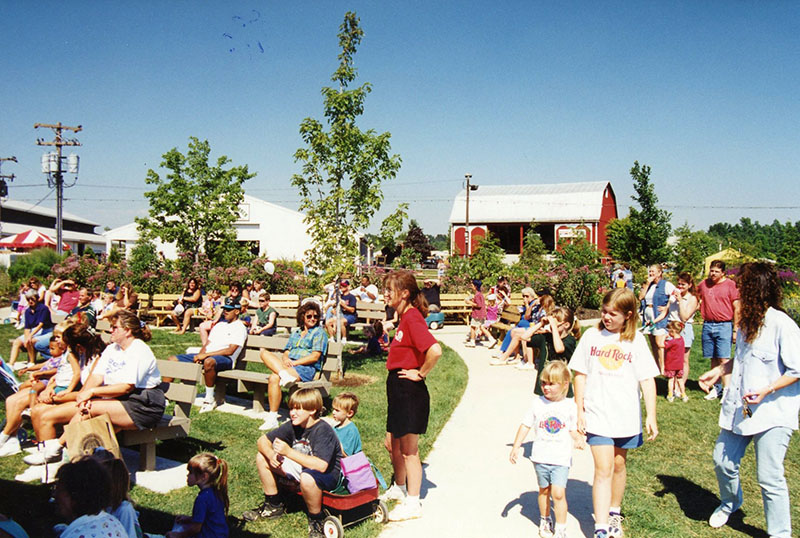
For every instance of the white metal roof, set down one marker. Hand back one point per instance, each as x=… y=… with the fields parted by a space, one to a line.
x=554 y=202
x=46 y=211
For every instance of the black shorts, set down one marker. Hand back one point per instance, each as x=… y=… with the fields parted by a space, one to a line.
x=145 y=407
x=409 y=405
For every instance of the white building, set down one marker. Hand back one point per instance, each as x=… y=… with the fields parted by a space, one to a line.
x=77 y=232
x=272 y=230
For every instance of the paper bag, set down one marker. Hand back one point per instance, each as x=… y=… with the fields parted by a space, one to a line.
x=85 y=436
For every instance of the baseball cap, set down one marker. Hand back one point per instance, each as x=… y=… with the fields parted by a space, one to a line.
x=231 y=303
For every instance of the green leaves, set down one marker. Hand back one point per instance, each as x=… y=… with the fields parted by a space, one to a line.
x=342 y=168
x=195 y=203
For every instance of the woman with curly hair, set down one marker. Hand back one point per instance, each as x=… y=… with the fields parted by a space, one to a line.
x=762 y=401
x=301 y=360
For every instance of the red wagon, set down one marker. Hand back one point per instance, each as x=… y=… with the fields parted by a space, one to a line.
x=346 y=510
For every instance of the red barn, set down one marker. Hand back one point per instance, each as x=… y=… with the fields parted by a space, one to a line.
x=558 y=211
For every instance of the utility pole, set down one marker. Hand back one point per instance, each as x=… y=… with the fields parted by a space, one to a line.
x=3 y=184
x=57 y=173
x=467 y=241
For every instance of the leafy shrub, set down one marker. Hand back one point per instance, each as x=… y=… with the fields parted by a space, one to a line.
x=36 y=263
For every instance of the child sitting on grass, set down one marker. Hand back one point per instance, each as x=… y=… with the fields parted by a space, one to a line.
x=673 y=361
x=554 y=419
x=375 y=340
x=120 y=503
x=345 y=406
x=208 y=519
x=305 y=450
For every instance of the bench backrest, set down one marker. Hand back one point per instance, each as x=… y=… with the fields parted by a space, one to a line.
x=164 y=301
x=182 y=394
x=370 y=311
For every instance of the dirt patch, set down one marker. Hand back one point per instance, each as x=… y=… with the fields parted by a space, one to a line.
x=354 y=380
x=587 y=313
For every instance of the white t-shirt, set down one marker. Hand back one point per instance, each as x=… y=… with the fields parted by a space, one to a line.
x=669 y=287
x=362 y=295
x=224 y=334
x=135 y=365
x=63 y=375
x=101 y=525
x=613 y=371
x=552 y=423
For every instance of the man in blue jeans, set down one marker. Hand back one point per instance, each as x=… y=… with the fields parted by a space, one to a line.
x=225 y=342
x=38 y=330
x=719 y=305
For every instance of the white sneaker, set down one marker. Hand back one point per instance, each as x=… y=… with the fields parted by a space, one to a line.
x=286 y=378
x=512 y=361
x=49 y=453
x=712 y=394
x=19 y=366
x=497 y=354
x=270 y=422
x=545 y=528
x=394 y=493
x=10 y=447
x=719 y=518
x=497 y=361
x=406 y=510
x=615 y=525
x=469 y=343
x=560 y=533
x=492 y=342
x=208 y=406
x=527 y=365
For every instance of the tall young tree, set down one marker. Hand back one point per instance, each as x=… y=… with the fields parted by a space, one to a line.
x=195 y=204
x=649 y=227
x=342 y=168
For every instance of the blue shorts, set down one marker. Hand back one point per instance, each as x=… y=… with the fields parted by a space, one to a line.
x=324 y=481
x=305 y=371
x=548 y=474
x=223 y=362
x=619 y=442
x=717 y=339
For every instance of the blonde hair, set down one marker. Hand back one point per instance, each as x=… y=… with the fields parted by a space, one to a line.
x=675 y=326
x=347 y=401
x=547 y=303
x=217 y=471
x=307 y=399
x=565 y=315
x=624 y=301
x=557 y=373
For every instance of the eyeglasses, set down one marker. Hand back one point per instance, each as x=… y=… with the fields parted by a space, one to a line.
x=311 y=316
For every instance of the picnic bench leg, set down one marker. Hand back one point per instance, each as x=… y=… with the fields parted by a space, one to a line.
x=147 y=457
x=259 y=398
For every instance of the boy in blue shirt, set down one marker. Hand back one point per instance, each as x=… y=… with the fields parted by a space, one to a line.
x=345 y=406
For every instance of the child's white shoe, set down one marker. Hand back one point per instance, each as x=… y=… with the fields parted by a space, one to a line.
x=406 y=510
x=394 y=493
x=545 y=527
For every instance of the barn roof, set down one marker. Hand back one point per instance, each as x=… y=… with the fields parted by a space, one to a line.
x=555 y=202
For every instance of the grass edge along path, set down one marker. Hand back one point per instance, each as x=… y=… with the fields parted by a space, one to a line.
x=233 y=438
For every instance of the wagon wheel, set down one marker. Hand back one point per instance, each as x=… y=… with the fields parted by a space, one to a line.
x=332 y=527
x=381 y=514
x=434 y=325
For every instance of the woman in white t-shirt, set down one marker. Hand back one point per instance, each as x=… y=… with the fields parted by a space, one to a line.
x=612 y=364
x=124 y=385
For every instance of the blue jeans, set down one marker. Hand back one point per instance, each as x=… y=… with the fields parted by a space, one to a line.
x=770 y=449
x=524 y=323
x=717 y=336
x=41 y=342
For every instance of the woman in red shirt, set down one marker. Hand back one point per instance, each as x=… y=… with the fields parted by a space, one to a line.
x=412 y=355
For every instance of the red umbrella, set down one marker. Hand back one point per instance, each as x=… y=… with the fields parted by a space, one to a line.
x=30 y=239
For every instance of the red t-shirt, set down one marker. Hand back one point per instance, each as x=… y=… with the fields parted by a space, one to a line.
x=479 y=311
x=411 y=341
x=674 y=354
x=716 y=300
x=69 y=300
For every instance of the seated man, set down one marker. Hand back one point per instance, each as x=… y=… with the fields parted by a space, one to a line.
x=38 y=330
x=431 y=294
x=301 y=360
x=347 y=304
x=366 y=292
x=306 y=451
x=266 y=317
x=225 y=342
x=84 y=311
x=67 y=293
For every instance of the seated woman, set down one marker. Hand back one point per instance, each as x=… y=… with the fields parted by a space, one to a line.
x=59 y=374
x=301 y=360
x=124 y=385
x=189 y=302
x=521 y=335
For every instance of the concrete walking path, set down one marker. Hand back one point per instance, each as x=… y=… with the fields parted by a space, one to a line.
x=469 y=487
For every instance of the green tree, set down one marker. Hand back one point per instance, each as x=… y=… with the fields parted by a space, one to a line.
x=691 y=249
x=487 y=260
x=617 y=239
x=388 y=237
x=417 y=241
x=533 y=251
x=343 y=168
x=195 y=203
x=649 y=227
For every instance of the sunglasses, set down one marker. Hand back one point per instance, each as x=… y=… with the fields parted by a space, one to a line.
x=311 y=316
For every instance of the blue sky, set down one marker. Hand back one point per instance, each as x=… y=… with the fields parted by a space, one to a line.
x=511 y=92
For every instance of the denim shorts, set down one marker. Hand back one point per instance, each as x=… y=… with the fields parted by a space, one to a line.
x=305 y=371
x=717 y=337
x=619 y=442
x=548 y=474
x=223 y=362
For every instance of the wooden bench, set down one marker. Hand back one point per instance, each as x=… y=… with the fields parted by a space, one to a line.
x=162 y=306
x=144 y=305
x=257 y=381
x=453 y=305
x=508 y=318
x=368 y=313
x=173 y=426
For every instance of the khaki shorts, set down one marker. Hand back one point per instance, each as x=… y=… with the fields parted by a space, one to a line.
x=476 y=322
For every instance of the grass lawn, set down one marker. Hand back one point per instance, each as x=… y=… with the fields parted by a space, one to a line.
x=233 y=438
x=672 y=488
